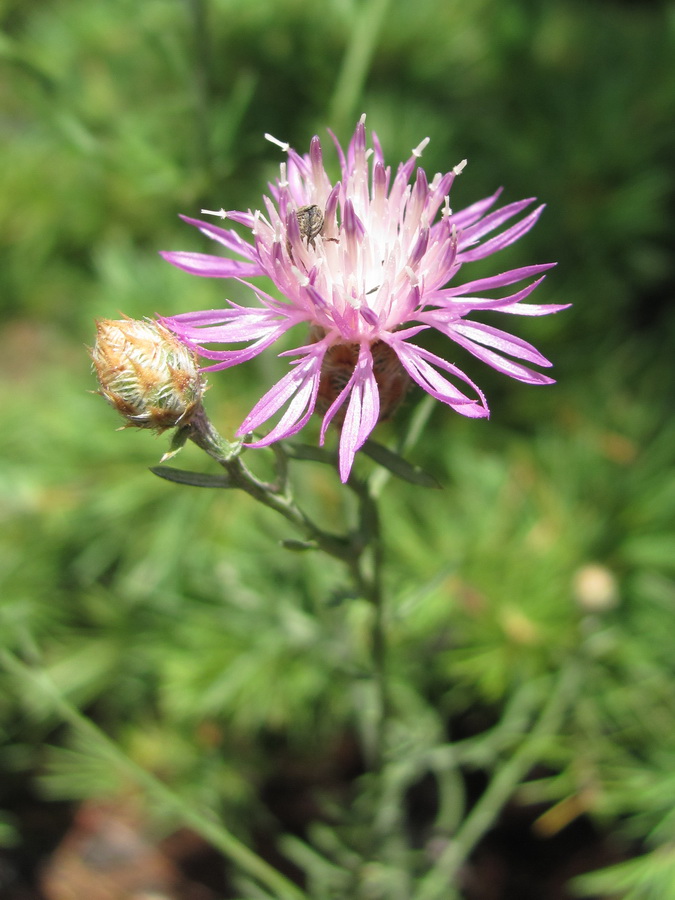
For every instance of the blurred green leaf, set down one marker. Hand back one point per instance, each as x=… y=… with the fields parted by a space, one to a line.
x=194 y=479
x=398 y=466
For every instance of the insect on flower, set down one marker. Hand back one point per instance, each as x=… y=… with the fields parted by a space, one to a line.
x=310 y=222
x=365 y=264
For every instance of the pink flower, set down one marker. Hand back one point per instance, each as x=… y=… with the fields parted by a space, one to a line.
x=366 y=263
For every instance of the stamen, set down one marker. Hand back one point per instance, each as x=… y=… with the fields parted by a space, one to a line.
x=362 y=120
x=459 y=168
x=284 y=146
x=412 y=275
x=212 y=212
x=369 y=152
x=446 y=207
x=420 y=147
x=283 y=179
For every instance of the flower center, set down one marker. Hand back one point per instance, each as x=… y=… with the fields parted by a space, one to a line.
x=338 y=367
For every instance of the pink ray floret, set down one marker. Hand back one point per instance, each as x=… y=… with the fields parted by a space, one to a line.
x=366 y=264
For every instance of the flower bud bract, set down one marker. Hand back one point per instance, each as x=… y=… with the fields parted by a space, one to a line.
x=144 y=371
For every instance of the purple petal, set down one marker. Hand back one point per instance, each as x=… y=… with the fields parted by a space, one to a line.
x=247 y=219
x=341 y=155
x=535 y=309
x=369 y=316
x=356 y=151
x=230 y=326
x=319 y=176
x=329 y=229
x=235 y=325
x=225 y=236
x=379 y=192
x=495 y=281
x=418 y=197
x=211 y=266
x=494 y=220
x=377 y=147
x=499 y=340
x=438 y=194
x=297 y=165
x=334 y=407
x=362 y=413
x=471 y=214
x=299 y=386
x=417 y=363
x=420 y=247
x=500 y=363
x=456 y=307
x=504 y=239
x=504 y=365
x=352 y=225
x=228 y=358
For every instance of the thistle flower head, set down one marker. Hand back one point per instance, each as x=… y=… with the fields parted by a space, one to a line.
x=146 y=373
x=366 y=264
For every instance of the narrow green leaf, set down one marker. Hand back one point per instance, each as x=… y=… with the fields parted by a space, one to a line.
x=314 y=454
x=398 y=466
x=194 y=479
x=299 y=546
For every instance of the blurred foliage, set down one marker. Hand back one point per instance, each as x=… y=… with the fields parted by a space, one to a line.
x=147 y=603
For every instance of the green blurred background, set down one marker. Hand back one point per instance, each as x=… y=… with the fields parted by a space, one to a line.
x=147 y=603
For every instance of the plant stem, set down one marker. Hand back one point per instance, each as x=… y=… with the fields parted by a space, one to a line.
x=360 y=550
x=371 y=587
x=442 y=877
x=276 y=497
x=215 y=833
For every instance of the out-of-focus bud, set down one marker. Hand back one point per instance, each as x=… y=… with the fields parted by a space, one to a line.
x=146 y=373
x=595 y=588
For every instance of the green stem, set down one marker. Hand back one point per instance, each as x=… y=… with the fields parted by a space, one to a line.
x=365 y=566
x=355 y=64
x=205 y=436
x=361 y=550
x=334 y=545
x=436 y=884
x=374 y=592
x=215 y=833
x=379 y=640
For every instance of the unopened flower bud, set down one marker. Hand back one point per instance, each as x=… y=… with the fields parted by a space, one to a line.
x=149 y=376
x=595 y=588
